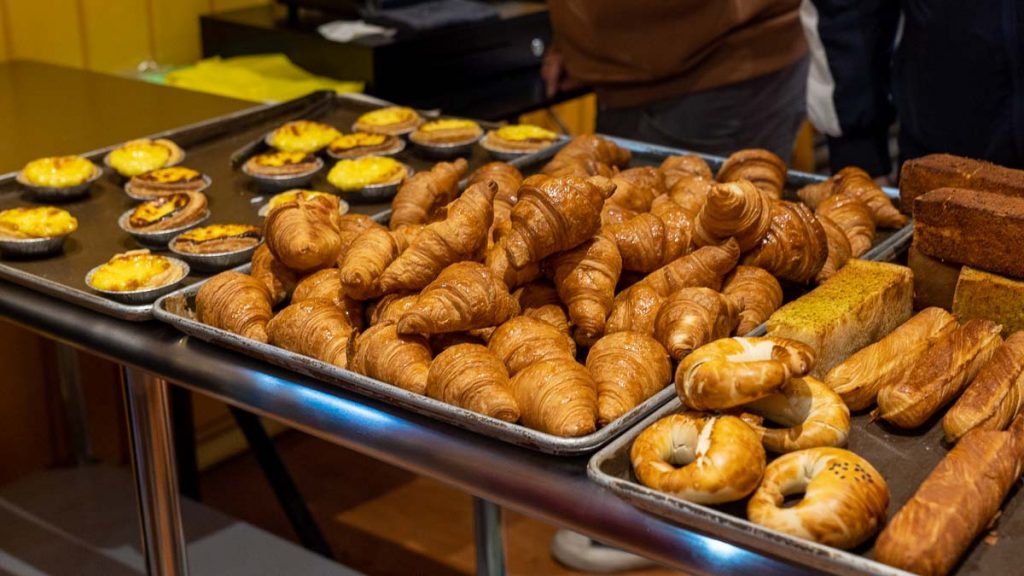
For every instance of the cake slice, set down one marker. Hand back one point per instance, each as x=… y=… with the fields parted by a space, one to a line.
x=863 y=302
x=990 y=296
x=922 y=175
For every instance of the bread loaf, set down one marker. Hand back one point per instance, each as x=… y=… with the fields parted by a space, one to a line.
x=922 y=175
x=934 y=280
x=983 y=295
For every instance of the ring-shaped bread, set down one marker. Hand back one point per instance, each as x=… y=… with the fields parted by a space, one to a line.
x=814 y=416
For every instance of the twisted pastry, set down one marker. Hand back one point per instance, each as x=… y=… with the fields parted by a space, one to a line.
x=635 y=190
x=275 y=277
x=303 y=235
x=235 y=302
x=523 y=342
x=464 y=296
x=506 y=176
x=651 y=240
x=350 y=226
x=853 y=218
x=795 y=248
x=401 y=360
x=471 y=376
x=557 y=396
x=755 y=293
x=420 y=196
x=703 y=267
x=675 y=168
x=462 y=235
x=367 y=259
x=761 y=167
x=856 y=183
x=587 y=155
x=326 y=284
x=635 y=310
x=540 y=300
x=586 y=277
x=313 y=327
x=692 y=317
x=734 y=209
x=628 y=368
x=811 y=413
x=839 y=250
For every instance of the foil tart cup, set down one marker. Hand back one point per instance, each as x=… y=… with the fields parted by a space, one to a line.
x=507 y=155
x=60 y=194
x=27 y=248
x=215 y=261
x=376 y=192
x=159 y=238
x=207 y=181
x=145 y=296
x=444 y=151
x=278 y=183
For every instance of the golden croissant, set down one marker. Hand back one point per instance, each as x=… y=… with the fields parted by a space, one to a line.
x=382 y=353
x=839 y=250
x=326 y=284
x=524 y=341
x=367 y=259
x=350 y=226
x=703 y=267
x=692 y=317
x=628 y=368
x=277 y=278
x=557 y=396
x=540 y=300
x=235 y=302
x=690 y=193
x=587 y=155
x=314 y=327
x=506 y=176
x=391 y=307
x=675 y=168
x=734 y=209
x=856 y=183
x=471 y=376
x=761 y=167
x=586 y=277
x=465 y=295
x=496 y=258
x=635 y=310
x=795 y=248
x=651 y=240
x=635 y=190
x=853 y=218
x=303 y=235
x=756 y=294
x=423 y=194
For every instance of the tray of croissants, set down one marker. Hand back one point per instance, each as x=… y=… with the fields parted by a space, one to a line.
x=545 y=310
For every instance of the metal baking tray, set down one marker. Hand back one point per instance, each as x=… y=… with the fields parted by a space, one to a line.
x=212 y=147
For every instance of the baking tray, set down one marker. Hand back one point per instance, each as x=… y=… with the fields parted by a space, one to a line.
x=213 y=147
x=176 y=309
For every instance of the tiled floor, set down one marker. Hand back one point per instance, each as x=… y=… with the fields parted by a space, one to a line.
x=377 y=518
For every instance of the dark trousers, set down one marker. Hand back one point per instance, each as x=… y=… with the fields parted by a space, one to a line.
x=764 y=112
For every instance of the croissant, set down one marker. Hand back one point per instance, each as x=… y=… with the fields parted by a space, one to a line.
x=557 y=396
x=235 y=302
x=391 y=307
x=471 y=376
x=496 y=258
x=635 y=190
x=275 y=277
x=582 y=168
x=506 y=176
x=586 y=277
x=303 y=235
x=635 y=310
x=367 y=259
x=795 y=248
x=761 y=167
x=755 y=293
x=462 y=235
x=441 y=342
x=703 y=267
x=675 y=168
x=839 y=250
x=326 y=284
x=815 y=193
x=465 y=295
x=524 y=341
x=424 y=193
x=734 y=209
x=595 y=154
x=651 y=240
x=540 y=300
x=856 y=183
x=853 y=218
x=691 y=318
x=382 y=353
x=350 y=226
x=690 y=193
x=628 y=368
x=314 y=327
x=553 y=215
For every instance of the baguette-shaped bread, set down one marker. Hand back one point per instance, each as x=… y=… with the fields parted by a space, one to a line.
x=924 y=174
x=955 y=503
x=996 y=395
x=981 y=294
x=939 y=375
x=858 y=305
x=859 y=378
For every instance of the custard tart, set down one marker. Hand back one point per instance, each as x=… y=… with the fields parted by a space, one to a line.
x=447 y=137
x=277 y=170
x=372 y=176
x=164 y=181
x=156 y=221
x=59 y=177
x=295 y=195
x=359 y=144
x=137 y=276
x=514 y=140
x=34 y=231
x=217 y=246
x=302 y=136
x=393 y=120
x=139 y=156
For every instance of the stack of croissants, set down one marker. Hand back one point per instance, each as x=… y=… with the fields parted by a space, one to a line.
x=486 y=299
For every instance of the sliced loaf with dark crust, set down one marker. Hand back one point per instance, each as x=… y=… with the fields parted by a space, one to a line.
x=922 y=175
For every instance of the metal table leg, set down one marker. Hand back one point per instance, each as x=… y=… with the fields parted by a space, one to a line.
x=69 y=379
x=490 y=551
x=149 y=421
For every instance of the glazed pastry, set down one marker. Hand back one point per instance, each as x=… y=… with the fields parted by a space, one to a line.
x=995 y=396
x=138 y=156
x=500 y=224
x=303 y=235
x=635 y=310
x=446 y=131
x=36 y=222
x=366 y=171
x=756 y=294
x=392 y=307
x=587 y=155
x=703 y=267
x=506 y=176
x=856 y=183
x=422 y=195
x=167 y=212
x=635 y=190
x=302 y=136
x=795 y=248
x=690 y=193
x=853 y=218
x=586 y=277
x=217 y=239
x=359 y=144
x=136 y=270
x=692 y=317
x=462 y=235
x=806 y=414
x=523 y=342
x=675 y=168
x=382 y=353
x=393 y=120
x=235 y=302
x=651 y=240
x=350 y=226
x=815 y=193
x=314 y=327
x=761 y=167
x=557 y=397
x=367 y=258
x=472 y=377
x=276 y=164
x=518 y=139
x=464 y=296
x=839 y=249
x=735 y=209
x=628 y=368
x=292 y=195
x=326 y=284
x=164 y=181
x=540 y=300
x=58 y=172
x=274 y=276
x=496 y=258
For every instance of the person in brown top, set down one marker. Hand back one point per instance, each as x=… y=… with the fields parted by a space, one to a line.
x=707 y=75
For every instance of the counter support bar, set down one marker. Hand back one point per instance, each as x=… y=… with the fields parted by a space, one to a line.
x=490 y=550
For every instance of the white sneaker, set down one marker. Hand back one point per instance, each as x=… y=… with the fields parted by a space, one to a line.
x=584 y=554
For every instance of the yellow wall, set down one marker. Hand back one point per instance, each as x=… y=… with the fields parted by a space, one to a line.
x=106 y=35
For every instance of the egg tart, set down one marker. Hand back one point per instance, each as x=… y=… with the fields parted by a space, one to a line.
x=278 y=170
x=372 y=176
x=59 y=177
x=137 y=276
x=218 y=246
x=517 y=139
x=156 y=221
x=294 y=195
x=34 y=231
x=164 y=181
x=139 y=156
x=393 y=120
x=302 y=136
x=359 y=144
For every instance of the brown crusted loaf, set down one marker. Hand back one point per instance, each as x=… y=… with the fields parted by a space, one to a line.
x=980 y=229
x=983 y=295
x=922 y=175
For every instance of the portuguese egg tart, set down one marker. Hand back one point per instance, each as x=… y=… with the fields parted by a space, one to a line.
x=359 y=144
x=446 y=132
x=393 y=120
x=36 y=222
x=139 y=156
x=58 y=172
x=167 y=212
x=302 y=136
x=282 y=164
x=136 y=270
x=356 y=174
x=519 y=138
x=217 y=239
x=164 y=181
